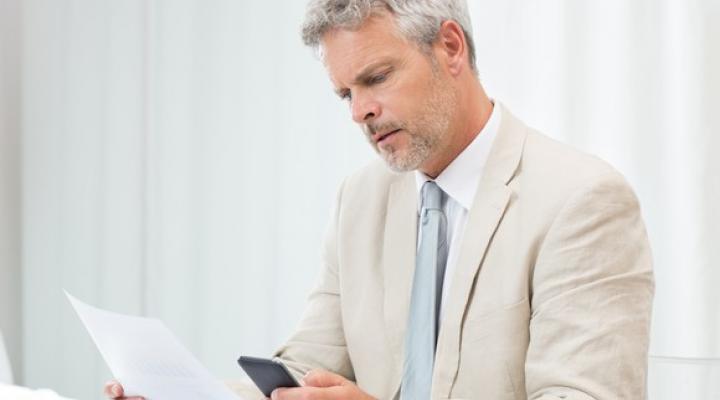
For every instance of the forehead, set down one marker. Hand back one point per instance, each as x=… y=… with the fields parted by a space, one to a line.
x=347 y=52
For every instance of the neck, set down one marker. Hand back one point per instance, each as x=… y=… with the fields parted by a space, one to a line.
x=473 y=111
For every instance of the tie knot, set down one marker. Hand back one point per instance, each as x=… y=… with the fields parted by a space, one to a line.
x=431 y=196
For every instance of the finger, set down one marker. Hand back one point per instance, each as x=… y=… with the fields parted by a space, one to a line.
x=280 y=394
x=113 y=389
x=320 y=378
x=312 y=393
x=296 y=393
x=292 y=393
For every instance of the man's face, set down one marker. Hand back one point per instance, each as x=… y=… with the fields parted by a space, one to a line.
x=396 y=92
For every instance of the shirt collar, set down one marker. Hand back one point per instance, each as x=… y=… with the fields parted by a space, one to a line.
x=460 y=179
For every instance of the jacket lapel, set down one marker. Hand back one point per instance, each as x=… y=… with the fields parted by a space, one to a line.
x=489 y=205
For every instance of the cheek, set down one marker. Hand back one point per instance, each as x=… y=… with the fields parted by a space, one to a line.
x=413 y=101
x=405 y=99
x=396 y=108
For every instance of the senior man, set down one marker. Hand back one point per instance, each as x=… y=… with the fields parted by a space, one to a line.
x=479 y=259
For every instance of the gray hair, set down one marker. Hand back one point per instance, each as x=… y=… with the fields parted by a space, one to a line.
x=417 y=20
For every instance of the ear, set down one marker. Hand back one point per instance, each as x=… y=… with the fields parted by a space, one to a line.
x=452 y=46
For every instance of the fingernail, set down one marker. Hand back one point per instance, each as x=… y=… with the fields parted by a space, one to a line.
x=116 y=390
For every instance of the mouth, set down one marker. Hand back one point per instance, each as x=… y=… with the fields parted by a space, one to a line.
x=380 y=138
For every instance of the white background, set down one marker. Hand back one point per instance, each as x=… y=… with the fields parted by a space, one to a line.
x=178 y=159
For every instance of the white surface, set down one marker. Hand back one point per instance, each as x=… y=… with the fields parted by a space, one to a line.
x=147 y=358
x=180 y=158
x=10 y=392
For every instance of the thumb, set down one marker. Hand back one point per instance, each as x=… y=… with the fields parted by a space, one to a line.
x=320 y=378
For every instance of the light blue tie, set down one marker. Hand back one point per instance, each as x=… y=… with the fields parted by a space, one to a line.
x=423 y=321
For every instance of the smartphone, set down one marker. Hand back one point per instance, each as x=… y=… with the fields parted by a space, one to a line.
x=268 y=375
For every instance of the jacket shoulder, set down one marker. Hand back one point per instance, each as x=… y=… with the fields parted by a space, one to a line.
x=561 y=167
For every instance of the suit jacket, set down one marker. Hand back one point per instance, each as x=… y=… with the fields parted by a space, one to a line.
x=551 y=297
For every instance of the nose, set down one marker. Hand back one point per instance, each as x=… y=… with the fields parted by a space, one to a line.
x=364 y=108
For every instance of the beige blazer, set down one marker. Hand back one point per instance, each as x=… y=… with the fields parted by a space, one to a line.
x=551 y=297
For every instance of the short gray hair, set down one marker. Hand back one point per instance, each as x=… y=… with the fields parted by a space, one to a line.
x=417 y=20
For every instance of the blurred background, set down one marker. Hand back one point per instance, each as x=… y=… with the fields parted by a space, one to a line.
x=179 y=158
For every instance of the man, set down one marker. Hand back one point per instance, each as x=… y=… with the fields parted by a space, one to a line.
x=488 y=261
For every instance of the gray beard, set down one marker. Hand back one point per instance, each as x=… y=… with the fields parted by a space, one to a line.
x=419 y=149
x=425 y=136
x=426 y=133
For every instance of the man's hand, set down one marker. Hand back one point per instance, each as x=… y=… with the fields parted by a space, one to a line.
x=322 y=385
x=114 y=390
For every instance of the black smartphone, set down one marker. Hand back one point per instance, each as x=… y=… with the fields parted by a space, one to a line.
x=268 y=375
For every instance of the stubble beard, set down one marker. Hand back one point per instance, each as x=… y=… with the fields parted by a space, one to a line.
x=424 y=134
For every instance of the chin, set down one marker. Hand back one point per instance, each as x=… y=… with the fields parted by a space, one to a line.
x=400 y=162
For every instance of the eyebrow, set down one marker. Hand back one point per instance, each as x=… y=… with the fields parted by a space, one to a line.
x=365 y=74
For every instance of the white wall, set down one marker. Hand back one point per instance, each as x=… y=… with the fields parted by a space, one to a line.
x=180 y=161
x=10 y=318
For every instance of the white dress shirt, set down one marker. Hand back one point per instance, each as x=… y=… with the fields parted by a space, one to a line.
x=459 y=181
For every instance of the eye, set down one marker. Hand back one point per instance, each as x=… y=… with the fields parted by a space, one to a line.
x=346 y=96
x=379 y=78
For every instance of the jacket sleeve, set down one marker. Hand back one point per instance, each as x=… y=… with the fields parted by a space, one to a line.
x=592 y=291
x=319 y=340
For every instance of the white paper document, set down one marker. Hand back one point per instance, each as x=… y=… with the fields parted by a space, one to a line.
x=147 y=358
